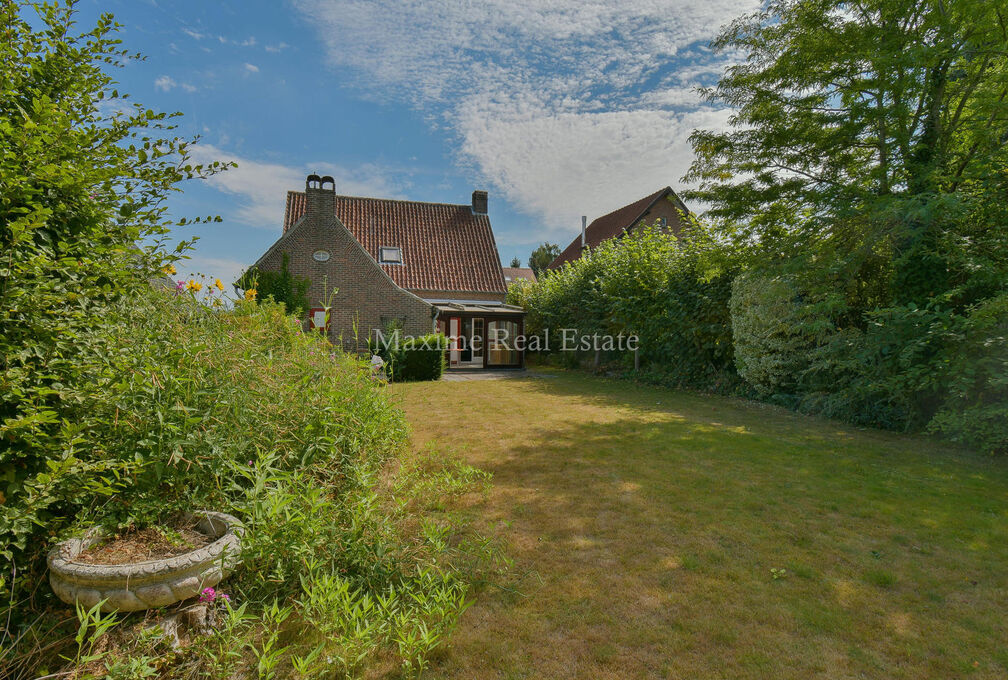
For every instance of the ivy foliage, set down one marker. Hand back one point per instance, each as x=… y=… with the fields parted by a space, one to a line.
x=281 y=285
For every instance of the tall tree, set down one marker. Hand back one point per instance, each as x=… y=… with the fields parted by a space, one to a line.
x=542 y=256
x=515 y=262
x=863 y=130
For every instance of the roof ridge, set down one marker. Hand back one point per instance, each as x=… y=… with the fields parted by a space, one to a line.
x=631 y=203
x=390 y=200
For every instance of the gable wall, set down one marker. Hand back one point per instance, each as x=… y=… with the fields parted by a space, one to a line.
x=666 y=208
x=364 y=294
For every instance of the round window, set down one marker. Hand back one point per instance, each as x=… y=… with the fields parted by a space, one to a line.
x=321 y=255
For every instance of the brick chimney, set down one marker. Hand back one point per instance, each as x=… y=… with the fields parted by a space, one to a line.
x=320 y=200
x=479 y=202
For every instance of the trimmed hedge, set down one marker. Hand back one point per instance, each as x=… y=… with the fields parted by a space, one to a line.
x=417 y=359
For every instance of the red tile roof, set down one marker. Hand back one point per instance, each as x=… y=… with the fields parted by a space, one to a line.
x=445 y=247
x=612 y=225
x=512 y=274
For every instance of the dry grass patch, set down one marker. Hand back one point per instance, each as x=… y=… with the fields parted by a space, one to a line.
x=664 y=534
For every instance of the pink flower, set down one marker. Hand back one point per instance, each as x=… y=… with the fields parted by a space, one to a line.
x=210 y=595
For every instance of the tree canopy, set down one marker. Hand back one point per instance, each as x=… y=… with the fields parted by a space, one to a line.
x=864 y=128
x=542 y=256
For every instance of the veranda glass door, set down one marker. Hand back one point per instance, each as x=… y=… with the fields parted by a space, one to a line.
x=501 y=342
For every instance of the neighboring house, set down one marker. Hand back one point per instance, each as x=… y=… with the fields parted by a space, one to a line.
x=512 y=274
x=421 y=266
x=663 y=207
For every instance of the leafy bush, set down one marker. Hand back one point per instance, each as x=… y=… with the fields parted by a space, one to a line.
x=80 y=189
x=420 y=358
x=243 y=412
x=774 y=333
x=975 y=410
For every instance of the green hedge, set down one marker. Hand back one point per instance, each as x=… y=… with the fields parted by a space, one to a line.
x=672 y=294
x=416 y=359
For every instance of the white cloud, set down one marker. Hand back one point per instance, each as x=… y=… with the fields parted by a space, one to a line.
x=584 y=104
x=279 y=47
x=164 y=83
x=195 y=35
x=251 y=68
x=262 y=187
x=167 y=83
x=562 y=166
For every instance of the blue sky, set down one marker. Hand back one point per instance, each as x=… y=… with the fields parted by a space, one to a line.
x=557 y=108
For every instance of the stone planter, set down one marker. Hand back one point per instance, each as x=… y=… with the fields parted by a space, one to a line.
x=145 y=585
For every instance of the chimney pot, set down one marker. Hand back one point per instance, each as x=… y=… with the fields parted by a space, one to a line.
x=321 y=200
x=479 y=202
x=584 y=232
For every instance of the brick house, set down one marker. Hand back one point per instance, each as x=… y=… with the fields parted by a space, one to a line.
x=422 y=266
x=663 y=206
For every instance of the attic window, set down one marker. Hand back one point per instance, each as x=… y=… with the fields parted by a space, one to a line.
x=390 y=255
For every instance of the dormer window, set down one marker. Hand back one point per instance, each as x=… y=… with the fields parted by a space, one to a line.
x=390 y=255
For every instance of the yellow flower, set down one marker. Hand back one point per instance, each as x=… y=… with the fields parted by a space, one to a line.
x=250 y=294
x=194 y=286
x=169 y=270
x=218 y=284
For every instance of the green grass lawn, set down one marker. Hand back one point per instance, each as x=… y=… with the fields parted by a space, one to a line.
x=658 y=533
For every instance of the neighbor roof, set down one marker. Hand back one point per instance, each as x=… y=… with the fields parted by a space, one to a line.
x=612 y=224
x=512 y=274
x=445 y=247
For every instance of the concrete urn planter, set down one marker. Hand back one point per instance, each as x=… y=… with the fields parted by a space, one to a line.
x=145 y=585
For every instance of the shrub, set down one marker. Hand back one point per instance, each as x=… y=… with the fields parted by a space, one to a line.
x=243 y=412
x=420 y=358
x=975 y=411
x=891 y=374
x=774 y=332
x=81 y=188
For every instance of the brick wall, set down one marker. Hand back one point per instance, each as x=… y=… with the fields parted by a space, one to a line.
x=350 y=282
